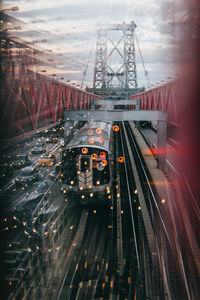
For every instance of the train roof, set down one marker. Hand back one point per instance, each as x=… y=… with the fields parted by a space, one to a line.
x=93 y=135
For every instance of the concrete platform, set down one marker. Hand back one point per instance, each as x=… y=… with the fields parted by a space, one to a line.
x=159 y=180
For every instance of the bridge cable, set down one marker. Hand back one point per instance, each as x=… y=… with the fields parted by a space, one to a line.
x=145 y=71
x=86 y=68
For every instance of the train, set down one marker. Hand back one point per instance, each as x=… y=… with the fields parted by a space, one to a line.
x=86 y=164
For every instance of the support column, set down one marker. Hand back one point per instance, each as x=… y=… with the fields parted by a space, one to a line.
x=162 y=142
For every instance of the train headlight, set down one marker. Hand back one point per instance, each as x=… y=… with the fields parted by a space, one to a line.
x=91 y=194
x=82 y=196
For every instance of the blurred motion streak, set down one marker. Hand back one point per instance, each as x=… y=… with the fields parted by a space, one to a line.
x=180 y=98
x=30 y=100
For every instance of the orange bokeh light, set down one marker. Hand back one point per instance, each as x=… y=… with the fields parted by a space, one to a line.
x=104 y=162
x=100 y=139
x=103 y=155
x=84 y=150
x=91 y=140
x=121 y=159
x=98 y=130
x=116 y=128
x=90 y=132
x=94 y=156
x=95 y=164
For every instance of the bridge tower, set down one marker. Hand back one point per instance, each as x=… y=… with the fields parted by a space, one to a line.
x=115 y=66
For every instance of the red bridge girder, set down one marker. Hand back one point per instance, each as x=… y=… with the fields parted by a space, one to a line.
x=164 y=97
x=34 y=101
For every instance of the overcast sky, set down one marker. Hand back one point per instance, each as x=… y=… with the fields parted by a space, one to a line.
x=69 y=28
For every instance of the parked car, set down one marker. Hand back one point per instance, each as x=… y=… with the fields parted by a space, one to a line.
x=52 y=140
x=62 y=142
x=53 y=175
x=39 y=148
x=58 y=167
x=27 y=175
x=31 y=200
x=47 y=159
x=21 y=160
x=5 y=173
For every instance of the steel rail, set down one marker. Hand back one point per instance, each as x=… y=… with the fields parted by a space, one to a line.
x=147 y=180
x=131 y=209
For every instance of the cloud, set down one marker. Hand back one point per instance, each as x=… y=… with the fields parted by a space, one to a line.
x=70 y=29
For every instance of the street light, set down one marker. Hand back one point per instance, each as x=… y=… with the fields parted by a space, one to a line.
x=14 y=8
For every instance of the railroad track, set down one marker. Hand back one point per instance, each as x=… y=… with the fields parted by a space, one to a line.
x=108 y=253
